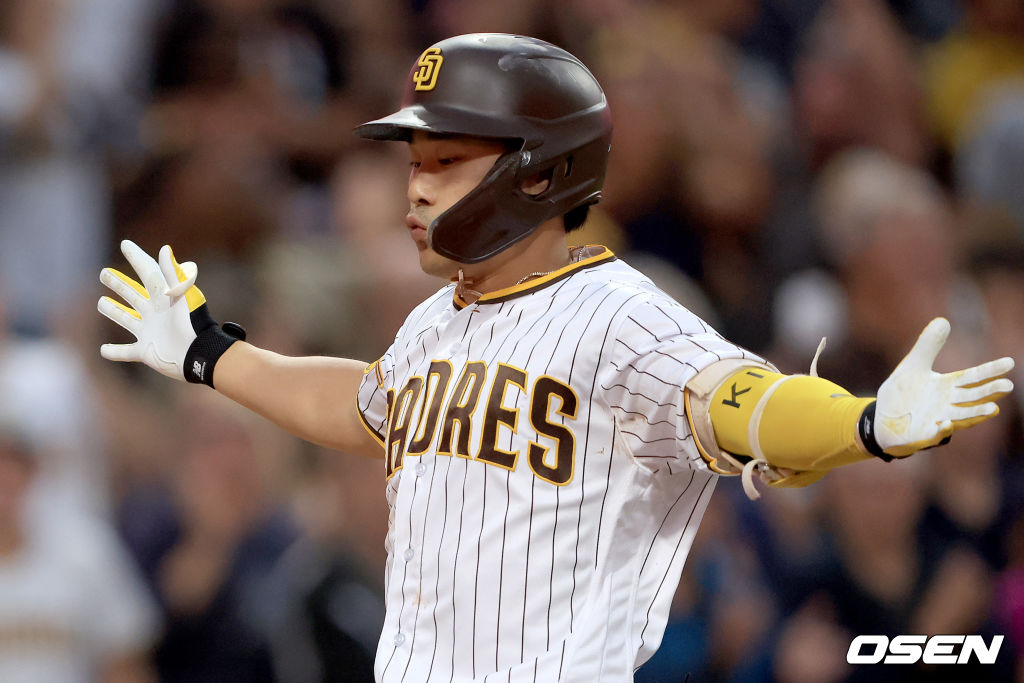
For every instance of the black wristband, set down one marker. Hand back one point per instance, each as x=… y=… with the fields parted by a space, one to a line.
x=211 y=341
x=866 y=429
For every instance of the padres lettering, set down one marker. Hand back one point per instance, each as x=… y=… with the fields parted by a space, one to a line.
x=429 y=65
x=448 y=417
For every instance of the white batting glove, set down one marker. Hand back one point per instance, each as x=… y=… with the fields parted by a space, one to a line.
x=919 y=408
x=167 y=313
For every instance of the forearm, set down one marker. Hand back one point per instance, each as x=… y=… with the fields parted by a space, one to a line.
x=798 y=422
x=313 y=398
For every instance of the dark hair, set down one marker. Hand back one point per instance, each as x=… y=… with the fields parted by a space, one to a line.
x=575 y=218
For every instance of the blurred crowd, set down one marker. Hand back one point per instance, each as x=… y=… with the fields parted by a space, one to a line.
x=789 y=169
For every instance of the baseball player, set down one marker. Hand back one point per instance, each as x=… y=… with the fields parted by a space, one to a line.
x=552 y=425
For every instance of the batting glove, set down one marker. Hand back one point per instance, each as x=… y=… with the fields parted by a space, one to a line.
x=919 y=408
x=167 y=314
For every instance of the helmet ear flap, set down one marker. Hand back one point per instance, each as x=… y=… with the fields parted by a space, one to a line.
x=499 y=212
x=497 y=202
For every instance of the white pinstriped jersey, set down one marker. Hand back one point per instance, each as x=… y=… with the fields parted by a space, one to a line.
x=543 y=484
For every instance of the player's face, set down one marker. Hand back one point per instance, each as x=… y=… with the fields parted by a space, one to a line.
x=443 y=170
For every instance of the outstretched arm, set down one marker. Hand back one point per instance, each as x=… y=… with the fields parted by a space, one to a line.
x=313 y=397
x=806 y=426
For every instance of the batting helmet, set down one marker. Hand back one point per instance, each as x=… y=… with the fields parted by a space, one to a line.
x=536 y=96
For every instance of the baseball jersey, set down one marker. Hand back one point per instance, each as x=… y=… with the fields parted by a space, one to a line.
x=543 y=483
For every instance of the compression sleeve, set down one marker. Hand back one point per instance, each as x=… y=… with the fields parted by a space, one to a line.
x=793 y=421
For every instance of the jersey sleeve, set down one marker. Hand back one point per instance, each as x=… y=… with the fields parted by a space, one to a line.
x=378 y=378
x=372 y=399
x=659 y=346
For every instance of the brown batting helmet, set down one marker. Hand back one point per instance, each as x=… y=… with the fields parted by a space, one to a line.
x=532 y=94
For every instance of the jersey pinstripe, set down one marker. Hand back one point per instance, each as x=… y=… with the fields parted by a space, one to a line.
x=543 y=484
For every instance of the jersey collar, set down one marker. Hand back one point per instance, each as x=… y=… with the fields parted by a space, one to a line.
x=590 y=255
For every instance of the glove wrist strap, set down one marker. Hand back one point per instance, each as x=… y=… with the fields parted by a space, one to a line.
x=211 y=341
x=866 y=431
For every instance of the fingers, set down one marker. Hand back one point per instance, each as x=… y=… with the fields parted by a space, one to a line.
x=146 y=268
x=125 y=287
x=980 y=374
x=187 y=273
x=928 y=345
x=960 y=413
x=124 y=353
x=183 y=275
x=179 y=276
x=167 y=264
x=126 y=317
x=980 y=393
x=968 y=417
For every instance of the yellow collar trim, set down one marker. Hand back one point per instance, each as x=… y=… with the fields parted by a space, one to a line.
x=518 y=290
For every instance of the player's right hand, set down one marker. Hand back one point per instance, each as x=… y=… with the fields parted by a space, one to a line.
x=175 y=334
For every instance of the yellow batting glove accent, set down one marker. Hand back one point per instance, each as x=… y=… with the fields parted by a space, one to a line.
x=193 y=295
x=127 y=309
x=130 y=282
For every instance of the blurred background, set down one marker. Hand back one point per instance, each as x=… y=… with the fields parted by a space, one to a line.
x=789 y=169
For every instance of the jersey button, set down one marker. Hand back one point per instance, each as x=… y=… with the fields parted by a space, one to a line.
x=408 y=554
x=399 y=638
x=421 y=469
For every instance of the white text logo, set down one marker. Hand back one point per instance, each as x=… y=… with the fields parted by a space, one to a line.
x=910 y=649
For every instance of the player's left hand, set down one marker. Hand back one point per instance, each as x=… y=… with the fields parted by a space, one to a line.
x=919 y=408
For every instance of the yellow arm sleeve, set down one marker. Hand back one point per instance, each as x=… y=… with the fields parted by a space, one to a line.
x=793 y=421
